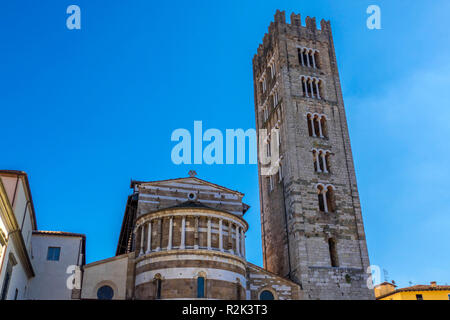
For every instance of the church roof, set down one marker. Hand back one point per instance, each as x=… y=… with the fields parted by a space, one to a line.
x=137 y=182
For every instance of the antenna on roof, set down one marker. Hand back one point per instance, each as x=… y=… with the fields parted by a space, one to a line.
x=386 y=275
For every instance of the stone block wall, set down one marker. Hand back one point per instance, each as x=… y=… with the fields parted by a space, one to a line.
x=295 y=231
x=259 y=280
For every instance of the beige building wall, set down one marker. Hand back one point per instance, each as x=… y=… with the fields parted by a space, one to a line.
x=112 y=272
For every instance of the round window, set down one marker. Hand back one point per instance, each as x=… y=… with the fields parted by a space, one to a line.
x=105 y=293
x=192 y=196
x=266 y=295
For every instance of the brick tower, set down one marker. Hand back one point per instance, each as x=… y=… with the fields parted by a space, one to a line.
x=312 y=228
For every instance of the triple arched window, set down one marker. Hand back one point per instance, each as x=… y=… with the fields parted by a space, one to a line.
x=308 y=57
x=326 y=197
x=317 y=125
x=312 y=87
x=321 y=160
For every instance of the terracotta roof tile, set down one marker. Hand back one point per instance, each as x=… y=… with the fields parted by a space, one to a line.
x=59 y=233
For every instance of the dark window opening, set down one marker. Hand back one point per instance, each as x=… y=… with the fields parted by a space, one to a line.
x=53 y=253
x=200 y=287
x=316 y=58
x=266 y=295
x=331 y=204
x=320 y=160
x=315 y=161
x=299 y=52
x=7 y=279
x=316 y=127
x=321 y=202
x=314 y=88
x=327 y=162
x=310 y=129
x=323 y=123
x=105 y=293
x=333 y=252
x=158 y=289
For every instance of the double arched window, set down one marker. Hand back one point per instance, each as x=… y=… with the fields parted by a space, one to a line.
x=326 y=198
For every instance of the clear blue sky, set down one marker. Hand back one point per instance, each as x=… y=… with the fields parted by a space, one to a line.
x=84 y=111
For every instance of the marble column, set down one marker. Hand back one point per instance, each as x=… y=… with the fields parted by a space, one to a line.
x=237 y=241
x=169 y=244
x=149 y=237
x=209 y=234
x=220 y=235
x=141 y=252
x=183 y=233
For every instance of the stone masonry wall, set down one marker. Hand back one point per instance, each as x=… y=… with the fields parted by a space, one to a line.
x=295 y=231
x=259 y=280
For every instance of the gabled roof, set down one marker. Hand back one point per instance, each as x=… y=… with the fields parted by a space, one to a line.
x=421 y=287
x=186 y=179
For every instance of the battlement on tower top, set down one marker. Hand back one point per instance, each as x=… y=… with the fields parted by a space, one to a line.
x=295 y=28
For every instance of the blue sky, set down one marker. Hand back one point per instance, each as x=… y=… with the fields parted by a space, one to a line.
x=84 y=111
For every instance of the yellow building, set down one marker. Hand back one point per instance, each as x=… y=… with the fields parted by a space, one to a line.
x=388 y=291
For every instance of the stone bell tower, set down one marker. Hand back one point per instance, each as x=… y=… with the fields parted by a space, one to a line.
x=312 y=228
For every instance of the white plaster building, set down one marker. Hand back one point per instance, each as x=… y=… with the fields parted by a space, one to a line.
x=33 y=264
x=55 y=256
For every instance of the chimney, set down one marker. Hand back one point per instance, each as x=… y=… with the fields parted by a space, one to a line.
x=433 y=284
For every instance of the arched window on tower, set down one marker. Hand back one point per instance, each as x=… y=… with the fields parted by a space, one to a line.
x=323 y=126
x=331 y=204
x=317 y=59
x=327 y=161
x=317 y=125
x=326 y=198
x=321 y=197
x=200 y=287
x=158 y=286
x=333 y=252
x=321 y=160
x=310 y=124
x=317 y=129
